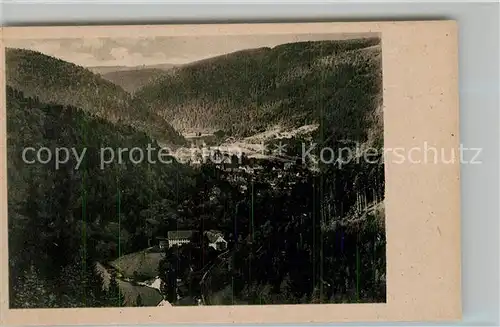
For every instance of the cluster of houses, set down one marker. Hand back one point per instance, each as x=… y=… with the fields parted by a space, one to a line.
x=214 y=239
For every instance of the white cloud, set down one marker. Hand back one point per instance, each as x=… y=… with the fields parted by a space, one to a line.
x=123 y=57
x=93 y=43
x=48 y=47
x=120 y=53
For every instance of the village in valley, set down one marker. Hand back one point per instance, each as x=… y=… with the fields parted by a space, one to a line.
x=195 y=266
x=184 y=257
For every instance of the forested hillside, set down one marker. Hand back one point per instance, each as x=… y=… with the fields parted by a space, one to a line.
x=297 y=235
x=53 y=80
x=61 y=221
x=291 y=84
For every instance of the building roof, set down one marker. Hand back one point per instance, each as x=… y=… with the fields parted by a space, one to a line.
x=152 y=221
x=213 y=235
x=180 y=234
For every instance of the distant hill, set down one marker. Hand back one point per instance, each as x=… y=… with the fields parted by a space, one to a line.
x=337 y=83
x=102 y=70
x=132 y=80
x=53 y=80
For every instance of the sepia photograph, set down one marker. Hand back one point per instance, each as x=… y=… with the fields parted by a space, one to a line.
x=215 y=170
x=229 y=173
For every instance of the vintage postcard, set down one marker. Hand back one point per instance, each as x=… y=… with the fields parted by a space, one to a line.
x=235 y=173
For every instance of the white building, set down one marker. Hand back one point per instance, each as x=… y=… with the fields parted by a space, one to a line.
x=215 y=240
x=179 y=237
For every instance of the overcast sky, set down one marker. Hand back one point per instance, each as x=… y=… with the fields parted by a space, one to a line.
x=90 y=52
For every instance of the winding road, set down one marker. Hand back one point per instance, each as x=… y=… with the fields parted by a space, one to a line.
x=150 y=296
x=206 y=279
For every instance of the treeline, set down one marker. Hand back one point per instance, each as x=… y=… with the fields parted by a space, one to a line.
x=291 y=84
x=62 y=221
x=58 y=82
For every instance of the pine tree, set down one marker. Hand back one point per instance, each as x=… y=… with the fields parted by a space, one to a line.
x=96 y=286
x=31 y=291
x=138 y=301
x=115 y=296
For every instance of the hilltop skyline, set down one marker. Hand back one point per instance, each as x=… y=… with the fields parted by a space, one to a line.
x=132 y=52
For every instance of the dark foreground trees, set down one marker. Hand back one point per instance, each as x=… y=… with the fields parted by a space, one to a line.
x=63 y=220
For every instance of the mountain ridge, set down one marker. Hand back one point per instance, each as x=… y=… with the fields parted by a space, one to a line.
x=56 y=81
x=112 y=69
x=246 y=92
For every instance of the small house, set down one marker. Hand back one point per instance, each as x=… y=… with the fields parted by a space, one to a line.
x=215 y=240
